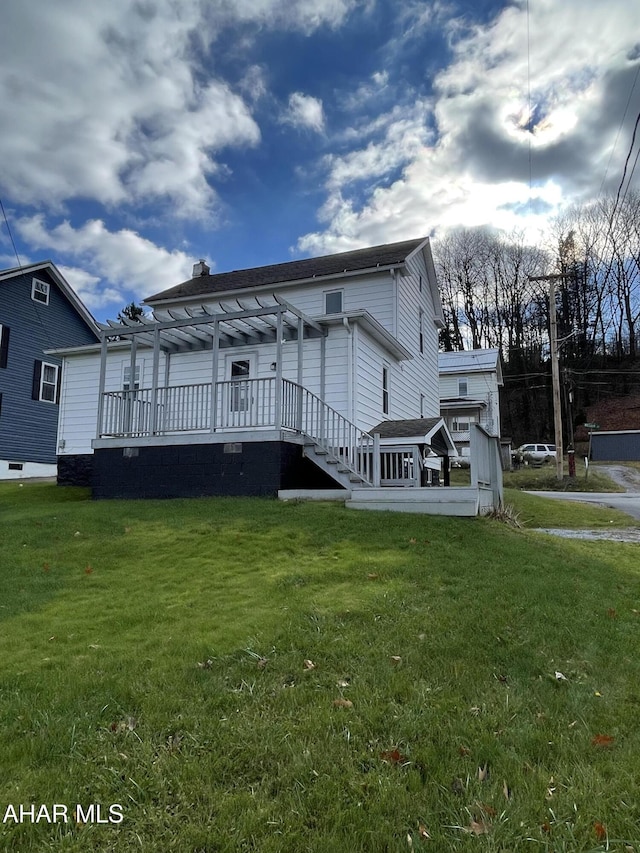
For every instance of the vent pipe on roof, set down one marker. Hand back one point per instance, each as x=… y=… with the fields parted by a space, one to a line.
x=200 y=269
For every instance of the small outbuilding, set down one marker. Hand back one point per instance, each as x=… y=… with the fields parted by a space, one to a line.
x=620 y=445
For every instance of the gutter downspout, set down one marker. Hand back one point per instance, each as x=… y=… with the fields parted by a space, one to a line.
x=350 y=368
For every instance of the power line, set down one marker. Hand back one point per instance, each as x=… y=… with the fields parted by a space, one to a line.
x=624 y=115
x=10 y=234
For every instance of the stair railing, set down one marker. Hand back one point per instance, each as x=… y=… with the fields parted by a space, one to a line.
x=309 y=415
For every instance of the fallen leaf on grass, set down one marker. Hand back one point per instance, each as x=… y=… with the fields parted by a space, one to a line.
x=457 y=786
x=393 y=756
x=560 y=676
x=506 y=790
x=88 y=570
x=261 y=663
x=343 y=682
x=413 y=540
x=205 y=664
x=373 y=576
x=600 y=830
x=396 y=659
x=546 y=827
x=422 y=832
x=611 y=613
x=343 y=703
x=127 y=724
x=483 y=773
x=464 y=750
x=602 y=740
x=479 y=827
x=309 y=664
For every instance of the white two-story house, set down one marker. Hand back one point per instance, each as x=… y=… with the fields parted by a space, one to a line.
x=251 y=381
x=470 y=382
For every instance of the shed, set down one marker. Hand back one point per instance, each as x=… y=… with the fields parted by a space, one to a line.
x=622 y=445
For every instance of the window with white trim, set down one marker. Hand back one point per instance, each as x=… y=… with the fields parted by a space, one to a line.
x=333 y=302
x=49 y=382
x=126 y=377
x=40 y=291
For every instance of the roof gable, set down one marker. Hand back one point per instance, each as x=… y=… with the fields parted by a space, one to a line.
x=63 y=285
x=470 y=361
x=306 y=269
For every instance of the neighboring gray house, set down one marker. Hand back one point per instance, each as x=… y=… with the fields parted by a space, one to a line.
x=469 y=393
x=38 y=311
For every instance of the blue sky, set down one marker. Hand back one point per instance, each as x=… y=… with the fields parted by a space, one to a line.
x=141 y=135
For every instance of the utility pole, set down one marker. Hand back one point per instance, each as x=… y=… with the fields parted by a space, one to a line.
x=555 y=366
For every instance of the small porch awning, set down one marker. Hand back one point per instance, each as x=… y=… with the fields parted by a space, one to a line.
x=461 y=404
x=431 y=432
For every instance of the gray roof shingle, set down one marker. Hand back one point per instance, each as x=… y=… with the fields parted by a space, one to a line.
x=405 y=428
x=359 y=259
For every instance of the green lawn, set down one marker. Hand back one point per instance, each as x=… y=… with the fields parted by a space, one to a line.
x=246 y=675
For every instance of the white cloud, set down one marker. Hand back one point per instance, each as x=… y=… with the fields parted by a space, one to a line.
x=305 y=15
x=116 y=265
x=305 y=111
x=107 y=101
x=476 y=170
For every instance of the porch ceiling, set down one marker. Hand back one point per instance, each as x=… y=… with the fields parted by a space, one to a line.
x=240 y=322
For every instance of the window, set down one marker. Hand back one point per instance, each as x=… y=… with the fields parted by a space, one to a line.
x=126 y=377
x=460 y=426
x=46 y=382
x=4 y=345
x=385 y=390
x=333 y=302
x=240 y=373
x=420 y=283
x=421 y=405
x=421 y=329
x=463 y=387
x=40 y=291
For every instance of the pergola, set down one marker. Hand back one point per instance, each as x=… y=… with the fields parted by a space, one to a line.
x=199 y=328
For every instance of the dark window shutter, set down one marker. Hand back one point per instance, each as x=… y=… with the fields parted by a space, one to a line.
x=37 y=373
x=58 y=384
x=4 y=345
x=0 y=404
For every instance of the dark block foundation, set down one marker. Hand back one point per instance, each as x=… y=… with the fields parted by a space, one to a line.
x=196 y=470
x=75 y=470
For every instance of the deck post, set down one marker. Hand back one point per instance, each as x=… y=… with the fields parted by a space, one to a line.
x=101 y=384
x=214 y=375
x=128 y=424
x=278 y=395
x=300 y=375
x=154 y=381
x=376 y=460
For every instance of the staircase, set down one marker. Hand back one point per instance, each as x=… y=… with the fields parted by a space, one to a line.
x=344 y=474
x=333 y=443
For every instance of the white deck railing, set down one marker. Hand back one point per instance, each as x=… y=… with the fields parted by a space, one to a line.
x=239 y=404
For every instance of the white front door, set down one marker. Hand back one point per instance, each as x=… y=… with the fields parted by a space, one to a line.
x=241 y=370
